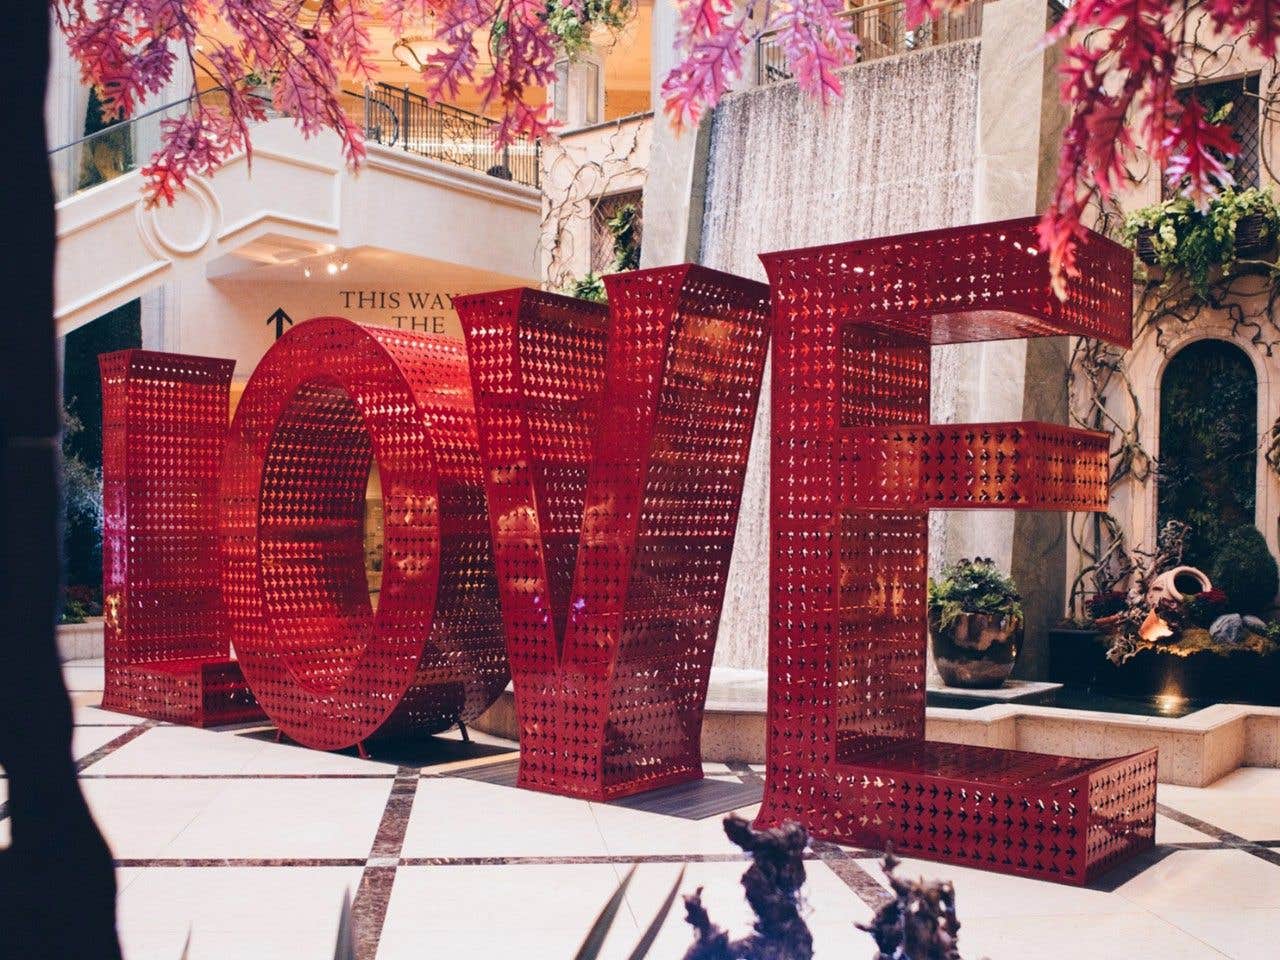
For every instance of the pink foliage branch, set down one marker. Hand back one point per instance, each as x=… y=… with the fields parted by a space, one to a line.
x=714 y=35
x=1118 y=79
x=133 y=49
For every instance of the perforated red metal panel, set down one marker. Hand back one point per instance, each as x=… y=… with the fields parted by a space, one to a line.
x=164 y=422
x=987 y=281
x=975 y=466
x=327 y=399
x=614 y=487
x=855 y=468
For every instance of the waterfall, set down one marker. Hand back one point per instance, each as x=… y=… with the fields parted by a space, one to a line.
x=895 y=154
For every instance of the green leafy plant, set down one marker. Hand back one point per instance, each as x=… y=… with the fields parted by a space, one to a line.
x=1246 y=571
x=971 y=586
x=82 y=505
x=625 y=228
x=572 y=24
x=1208 y=445
x=590 y=287
x=1202 y=609
x=1191 y=243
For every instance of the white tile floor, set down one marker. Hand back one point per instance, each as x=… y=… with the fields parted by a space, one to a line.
x=249 y=845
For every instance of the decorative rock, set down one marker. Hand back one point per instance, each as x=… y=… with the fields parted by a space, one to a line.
x=1256 y=624
x=1228 y=628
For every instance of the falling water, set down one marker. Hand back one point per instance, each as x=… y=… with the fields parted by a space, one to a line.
x=895 y=154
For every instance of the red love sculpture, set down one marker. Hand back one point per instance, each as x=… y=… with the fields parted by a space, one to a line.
x=614 y=456
x=329 y=398
x=856 y=466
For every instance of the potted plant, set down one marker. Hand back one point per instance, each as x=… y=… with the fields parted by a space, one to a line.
x=1199 y=244
x=1176 y=635
x=975 y=624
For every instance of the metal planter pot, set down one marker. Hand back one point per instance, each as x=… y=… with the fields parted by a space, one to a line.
x=978 y=650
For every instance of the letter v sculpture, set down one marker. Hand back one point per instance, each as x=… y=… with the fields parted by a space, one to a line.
x=614 y=445
x=856 y=468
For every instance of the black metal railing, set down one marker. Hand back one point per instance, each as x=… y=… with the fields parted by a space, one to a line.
x=398 y=117
x=882 y=29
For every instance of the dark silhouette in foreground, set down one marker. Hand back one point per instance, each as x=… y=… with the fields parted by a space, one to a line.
x=772 y=884
x=919 y=923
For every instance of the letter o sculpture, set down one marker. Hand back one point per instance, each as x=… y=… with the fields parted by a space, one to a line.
x=328 y=398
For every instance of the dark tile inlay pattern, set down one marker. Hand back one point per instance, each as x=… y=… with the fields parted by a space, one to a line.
x=369 y=909
x=1227 y=839
x=111 y=746
x=208 y=862
x=695 y=800
x=502 y=774
x=237 y=776
x=843 y=864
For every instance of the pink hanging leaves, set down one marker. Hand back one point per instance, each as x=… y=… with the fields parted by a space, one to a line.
x=1118 y=69
x=131 y=49
x=1199 y=148
x=817 y=42
x=715 y=38
x=714 y=34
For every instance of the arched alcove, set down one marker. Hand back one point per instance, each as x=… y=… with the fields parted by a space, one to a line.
x=1207 y=452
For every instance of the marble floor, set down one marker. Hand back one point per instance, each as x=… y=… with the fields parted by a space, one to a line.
x=249 y=846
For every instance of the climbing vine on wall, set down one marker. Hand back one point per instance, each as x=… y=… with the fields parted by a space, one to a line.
x=1168 y=302
x=577 y=179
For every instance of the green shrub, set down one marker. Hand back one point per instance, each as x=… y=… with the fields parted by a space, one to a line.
x=590 y=287
x=971 y=586
x=1245 y=570
x=1193 y=243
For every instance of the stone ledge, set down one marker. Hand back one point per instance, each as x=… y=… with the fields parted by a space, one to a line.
x=80 y=641
x=1195 y=750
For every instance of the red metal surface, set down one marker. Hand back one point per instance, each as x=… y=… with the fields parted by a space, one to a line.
x=987 y=281
x=164 y=422
x=975 y=466
x=855 y=468
x=614 y=483
x=330 y=397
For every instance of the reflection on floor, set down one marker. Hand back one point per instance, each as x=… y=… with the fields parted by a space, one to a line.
x=250 y=844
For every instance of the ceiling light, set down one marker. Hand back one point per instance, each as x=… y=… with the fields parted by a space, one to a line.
x=415 y=49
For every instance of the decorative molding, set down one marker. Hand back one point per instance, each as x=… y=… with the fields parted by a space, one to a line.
x=156 y=237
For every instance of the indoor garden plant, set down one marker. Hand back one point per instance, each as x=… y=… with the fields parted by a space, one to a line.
x=1209 y=638
x=1197 y=245
x=975 y=624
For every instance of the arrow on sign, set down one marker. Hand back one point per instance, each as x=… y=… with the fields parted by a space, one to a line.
x=279 y=318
